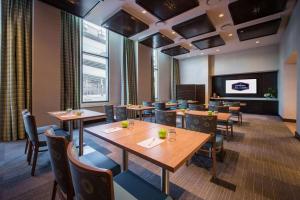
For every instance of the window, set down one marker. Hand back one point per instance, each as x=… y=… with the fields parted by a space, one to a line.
x=94 y=77
x=155 y=73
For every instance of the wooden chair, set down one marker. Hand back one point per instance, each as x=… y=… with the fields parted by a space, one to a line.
x=167 y=118
x=121 y=113
x=92 y=183
x=109 y=111
x=206 y=124
x=225 y=124
x=57 y=146
x=199 y=107
x=35 y=144
x=40 y=130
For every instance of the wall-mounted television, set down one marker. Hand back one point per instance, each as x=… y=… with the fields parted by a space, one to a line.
x=242 y=86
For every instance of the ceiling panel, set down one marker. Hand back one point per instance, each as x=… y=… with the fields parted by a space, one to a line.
x=259 y=30
x=167 y=9
x=175 y=51
x=125 y=24
x=247 y=10
x=210 y=42
x=79 y=8
x=156 y=40
x=194 y=27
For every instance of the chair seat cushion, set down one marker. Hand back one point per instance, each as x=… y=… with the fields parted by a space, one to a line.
x=138 y=187
x=43 y=129
x=223 y=123
x=219 y=142
x=97 y=159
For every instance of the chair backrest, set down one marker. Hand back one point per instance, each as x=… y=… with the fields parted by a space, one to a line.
x=57 y=147
x=173 y=101
x=167 y=118
x=183 y=104
x=212 y=108
x=199 y=107
x=121 y=113
x=109 y=111
x=223 y=109
x=160 y=106
x=201 y=123
x=24 y=113
x=149 y=104
x=30 y=128
x=90 y=183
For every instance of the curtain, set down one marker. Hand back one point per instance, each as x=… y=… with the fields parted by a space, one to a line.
x=70 y=60
x=152 y=78
x=175 y=77
x=129 y=79
x=16 y=67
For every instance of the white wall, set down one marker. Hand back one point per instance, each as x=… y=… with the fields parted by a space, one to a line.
x=164 y=74
x=252 y=60
x=144 y=73
x=289 y=44
x=46 y=62
x=195 y=71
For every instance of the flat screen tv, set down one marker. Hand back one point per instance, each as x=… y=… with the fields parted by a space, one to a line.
x=242 y=86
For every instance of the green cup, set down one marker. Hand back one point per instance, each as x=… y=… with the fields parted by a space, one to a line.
x=162 y=133
x=210 y=113
x=124 y=124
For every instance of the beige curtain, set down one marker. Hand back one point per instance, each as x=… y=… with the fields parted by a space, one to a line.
x=16 y=67
x=175 y=77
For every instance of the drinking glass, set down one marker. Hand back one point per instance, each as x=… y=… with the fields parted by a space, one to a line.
x=131 y=123
x=172 y=135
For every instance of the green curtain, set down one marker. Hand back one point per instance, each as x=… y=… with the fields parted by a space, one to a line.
x=70 y=60
x=16 y=67
x=129 y=79
x=175 y=77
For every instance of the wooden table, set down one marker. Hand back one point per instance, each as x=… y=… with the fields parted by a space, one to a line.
x=192 y=102
x=168 y=155
x=140 y=109
x=72 y=116
x=170 y=104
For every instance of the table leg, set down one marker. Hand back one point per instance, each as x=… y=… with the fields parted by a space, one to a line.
x=70 y=125
x=165 y=183
x=80 y=137
x=140 y=114
x=214 y=157
x=125 y=160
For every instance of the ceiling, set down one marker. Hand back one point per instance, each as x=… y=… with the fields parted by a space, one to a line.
x=200 y=27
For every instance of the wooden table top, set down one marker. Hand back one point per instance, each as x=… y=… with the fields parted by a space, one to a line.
x=168 y=155
x=139 y=107
x=220 y=116
x=237 y=108
x=85 y=114
x=192 y=102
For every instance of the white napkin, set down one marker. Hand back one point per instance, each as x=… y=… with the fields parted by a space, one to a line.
x=111 y=130
x=150 y=142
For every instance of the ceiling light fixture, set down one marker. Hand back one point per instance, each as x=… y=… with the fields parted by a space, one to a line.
x=173 y=32
x=230 y=35
x=217 y=50
x=190 y=45
x=257 y=42
x=144 y=11
x=221 y=15
x=201 y=53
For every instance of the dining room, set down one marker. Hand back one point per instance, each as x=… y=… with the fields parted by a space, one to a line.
x=149 y=100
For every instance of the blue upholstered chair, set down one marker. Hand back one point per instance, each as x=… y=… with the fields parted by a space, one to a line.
x=121 y=113
x=167 y=118
x=182 y=104
x=109 y=111
x=34 y=142
x=225 y=124
x=160 y=106
x=198 y=107
x=173 y=107
x=237 y=114
x=147 y=112
x=40 y=130
x=206 y=124
x=92 y=183
x=57 y=147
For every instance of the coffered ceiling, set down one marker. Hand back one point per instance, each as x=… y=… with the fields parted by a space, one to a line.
x=184 y=28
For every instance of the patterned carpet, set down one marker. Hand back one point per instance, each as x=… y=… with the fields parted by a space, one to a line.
x=262 y=160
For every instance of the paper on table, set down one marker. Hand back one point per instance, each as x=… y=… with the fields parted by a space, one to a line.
x=111 y=130
x=150 y=142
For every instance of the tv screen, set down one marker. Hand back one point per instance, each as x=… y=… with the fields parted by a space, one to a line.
x=243 y=86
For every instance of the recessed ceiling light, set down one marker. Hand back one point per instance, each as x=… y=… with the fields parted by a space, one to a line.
x=221 y=15
x=190 y=45
x=144 y=11
x=173 y=32
x=217 y=50
x=201 y=53
x=257 y=42
x=230 y=35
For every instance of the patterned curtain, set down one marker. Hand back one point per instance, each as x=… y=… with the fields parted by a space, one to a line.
x=16 y=67
x=70 y=61
x=175 y=77
x=129 y=83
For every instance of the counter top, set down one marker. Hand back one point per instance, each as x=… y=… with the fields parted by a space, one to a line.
x=245 y=98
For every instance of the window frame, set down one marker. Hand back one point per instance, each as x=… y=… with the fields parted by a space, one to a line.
x=93 y=103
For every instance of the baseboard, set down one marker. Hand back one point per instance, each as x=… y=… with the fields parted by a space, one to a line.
x=287 y=120
x=297 y=135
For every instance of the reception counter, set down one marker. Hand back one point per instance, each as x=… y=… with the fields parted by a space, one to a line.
x=254 y=105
